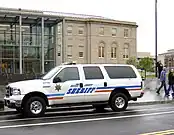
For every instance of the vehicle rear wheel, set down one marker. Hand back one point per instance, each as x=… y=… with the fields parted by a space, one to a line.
x=35 y=107
x=119 y=102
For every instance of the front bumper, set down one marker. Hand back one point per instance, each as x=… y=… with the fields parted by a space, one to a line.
x=13 y=101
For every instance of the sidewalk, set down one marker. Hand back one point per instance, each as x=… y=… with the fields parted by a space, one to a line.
x=150 y=95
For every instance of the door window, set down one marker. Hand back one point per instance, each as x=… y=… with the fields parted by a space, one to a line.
x=93 y=72
x=68 y=73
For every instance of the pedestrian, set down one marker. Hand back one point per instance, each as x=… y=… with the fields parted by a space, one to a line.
x=162 y=80
x=160 y=68
x=170 y=83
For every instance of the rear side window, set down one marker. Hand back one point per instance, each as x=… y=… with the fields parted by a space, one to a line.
x=92 y=72
x=116 y=72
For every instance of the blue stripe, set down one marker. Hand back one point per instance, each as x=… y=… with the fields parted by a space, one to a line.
x=50 y=95
x=118 y=87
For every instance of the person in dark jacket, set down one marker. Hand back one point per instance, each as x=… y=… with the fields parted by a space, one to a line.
x=163 y=81
x=160 y=68
x=171 y=83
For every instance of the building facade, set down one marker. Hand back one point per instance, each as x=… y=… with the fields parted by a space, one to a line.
x=98 y=40
x=167 y=58
x=36 y=41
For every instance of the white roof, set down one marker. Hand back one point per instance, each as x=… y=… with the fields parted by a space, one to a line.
x=73 y=15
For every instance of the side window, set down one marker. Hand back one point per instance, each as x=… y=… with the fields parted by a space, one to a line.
x=68 y=73
x=118 y=72
x=93 y=72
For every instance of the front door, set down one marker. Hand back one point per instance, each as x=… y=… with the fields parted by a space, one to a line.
x=65 y=88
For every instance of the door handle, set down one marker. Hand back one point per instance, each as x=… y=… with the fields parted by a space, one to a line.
x=105 y=84
x=81 y=85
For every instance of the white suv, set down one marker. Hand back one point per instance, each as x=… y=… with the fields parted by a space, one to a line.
x=77 y=84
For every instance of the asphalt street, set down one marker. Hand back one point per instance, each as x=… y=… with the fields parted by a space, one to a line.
x=136 y=120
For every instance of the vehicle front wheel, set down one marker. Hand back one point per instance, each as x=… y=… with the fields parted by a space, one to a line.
x=119 y=102
x=35 y=107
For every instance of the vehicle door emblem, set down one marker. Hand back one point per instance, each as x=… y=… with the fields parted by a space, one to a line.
x=58 y=87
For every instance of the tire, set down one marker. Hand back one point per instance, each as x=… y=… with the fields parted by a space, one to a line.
x=119 y=97
x=99 y=108
x=39 y=107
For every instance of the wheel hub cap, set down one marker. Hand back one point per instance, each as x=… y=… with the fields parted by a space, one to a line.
x=119 y=102
x=36 y=107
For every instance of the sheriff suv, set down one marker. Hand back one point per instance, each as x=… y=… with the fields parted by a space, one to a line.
x=98 y=85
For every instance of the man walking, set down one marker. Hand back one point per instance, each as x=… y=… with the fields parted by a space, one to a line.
x=160 y=68
x=171 y=83
x=163 y=81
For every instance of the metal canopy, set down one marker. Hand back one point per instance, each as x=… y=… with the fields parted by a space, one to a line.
x=29 y=18
x=25 y=17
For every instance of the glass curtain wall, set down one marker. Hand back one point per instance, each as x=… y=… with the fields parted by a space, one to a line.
x=31 y=48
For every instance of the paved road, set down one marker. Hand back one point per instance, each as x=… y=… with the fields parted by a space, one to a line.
x=136 y=120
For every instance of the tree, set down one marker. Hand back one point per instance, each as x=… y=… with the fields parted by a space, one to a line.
x=132 y=61
x=147 y=64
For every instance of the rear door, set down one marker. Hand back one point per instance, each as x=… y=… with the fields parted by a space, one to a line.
x=94 y=84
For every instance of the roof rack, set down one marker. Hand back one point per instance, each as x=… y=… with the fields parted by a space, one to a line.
x=69 y=63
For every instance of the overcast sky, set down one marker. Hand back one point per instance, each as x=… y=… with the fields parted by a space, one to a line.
x=140 y=11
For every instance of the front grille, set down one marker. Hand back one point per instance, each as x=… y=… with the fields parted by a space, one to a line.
x=8 y=91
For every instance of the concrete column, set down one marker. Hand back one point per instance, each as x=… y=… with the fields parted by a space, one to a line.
x=42 y=44
x=88 y=42
x=20 y=44
x=58 y=59
x=63 y=48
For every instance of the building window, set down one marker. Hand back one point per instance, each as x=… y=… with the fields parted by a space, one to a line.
x=80 y=54
x=69 y=30
x=126 y=51
x=69 y=51
x=59 y=50
x=113 y=52
x=126 y=32
x=81 y=30
x=59 y=29
x=101 y=51
x=101 y=31
x=114 y=31
x=81 y=51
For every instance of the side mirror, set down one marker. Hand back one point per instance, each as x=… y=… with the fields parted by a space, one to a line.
x=56 y=80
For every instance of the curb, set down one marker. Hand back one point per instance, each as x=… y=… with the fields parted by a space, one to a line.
x=151 y=103
x=13 y=112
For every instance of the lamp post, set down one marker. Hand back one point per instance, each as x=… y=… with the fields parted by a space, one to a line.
x=156 y=47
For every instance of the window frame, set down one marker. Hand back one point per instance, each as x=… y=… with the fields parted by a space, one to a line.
x=126 y=32
x=113 y=52
x=114 y=34
x=101 y=51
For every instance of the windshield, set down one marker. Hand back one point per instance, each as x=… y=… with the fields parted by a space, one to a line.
x=51 y=73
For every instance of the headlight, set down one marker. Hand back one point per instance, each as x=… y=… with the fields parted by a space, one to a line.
x=16 y=92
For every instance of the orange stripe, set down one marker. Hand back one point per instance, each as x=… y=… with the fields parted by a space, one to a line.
x=103 y=91
x=55 y=98
x=134 y=89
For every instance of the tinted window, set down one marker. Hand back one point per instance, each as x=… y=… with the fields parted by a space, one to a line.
x=92 y=73
x=69 y=73
x=116 y=72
